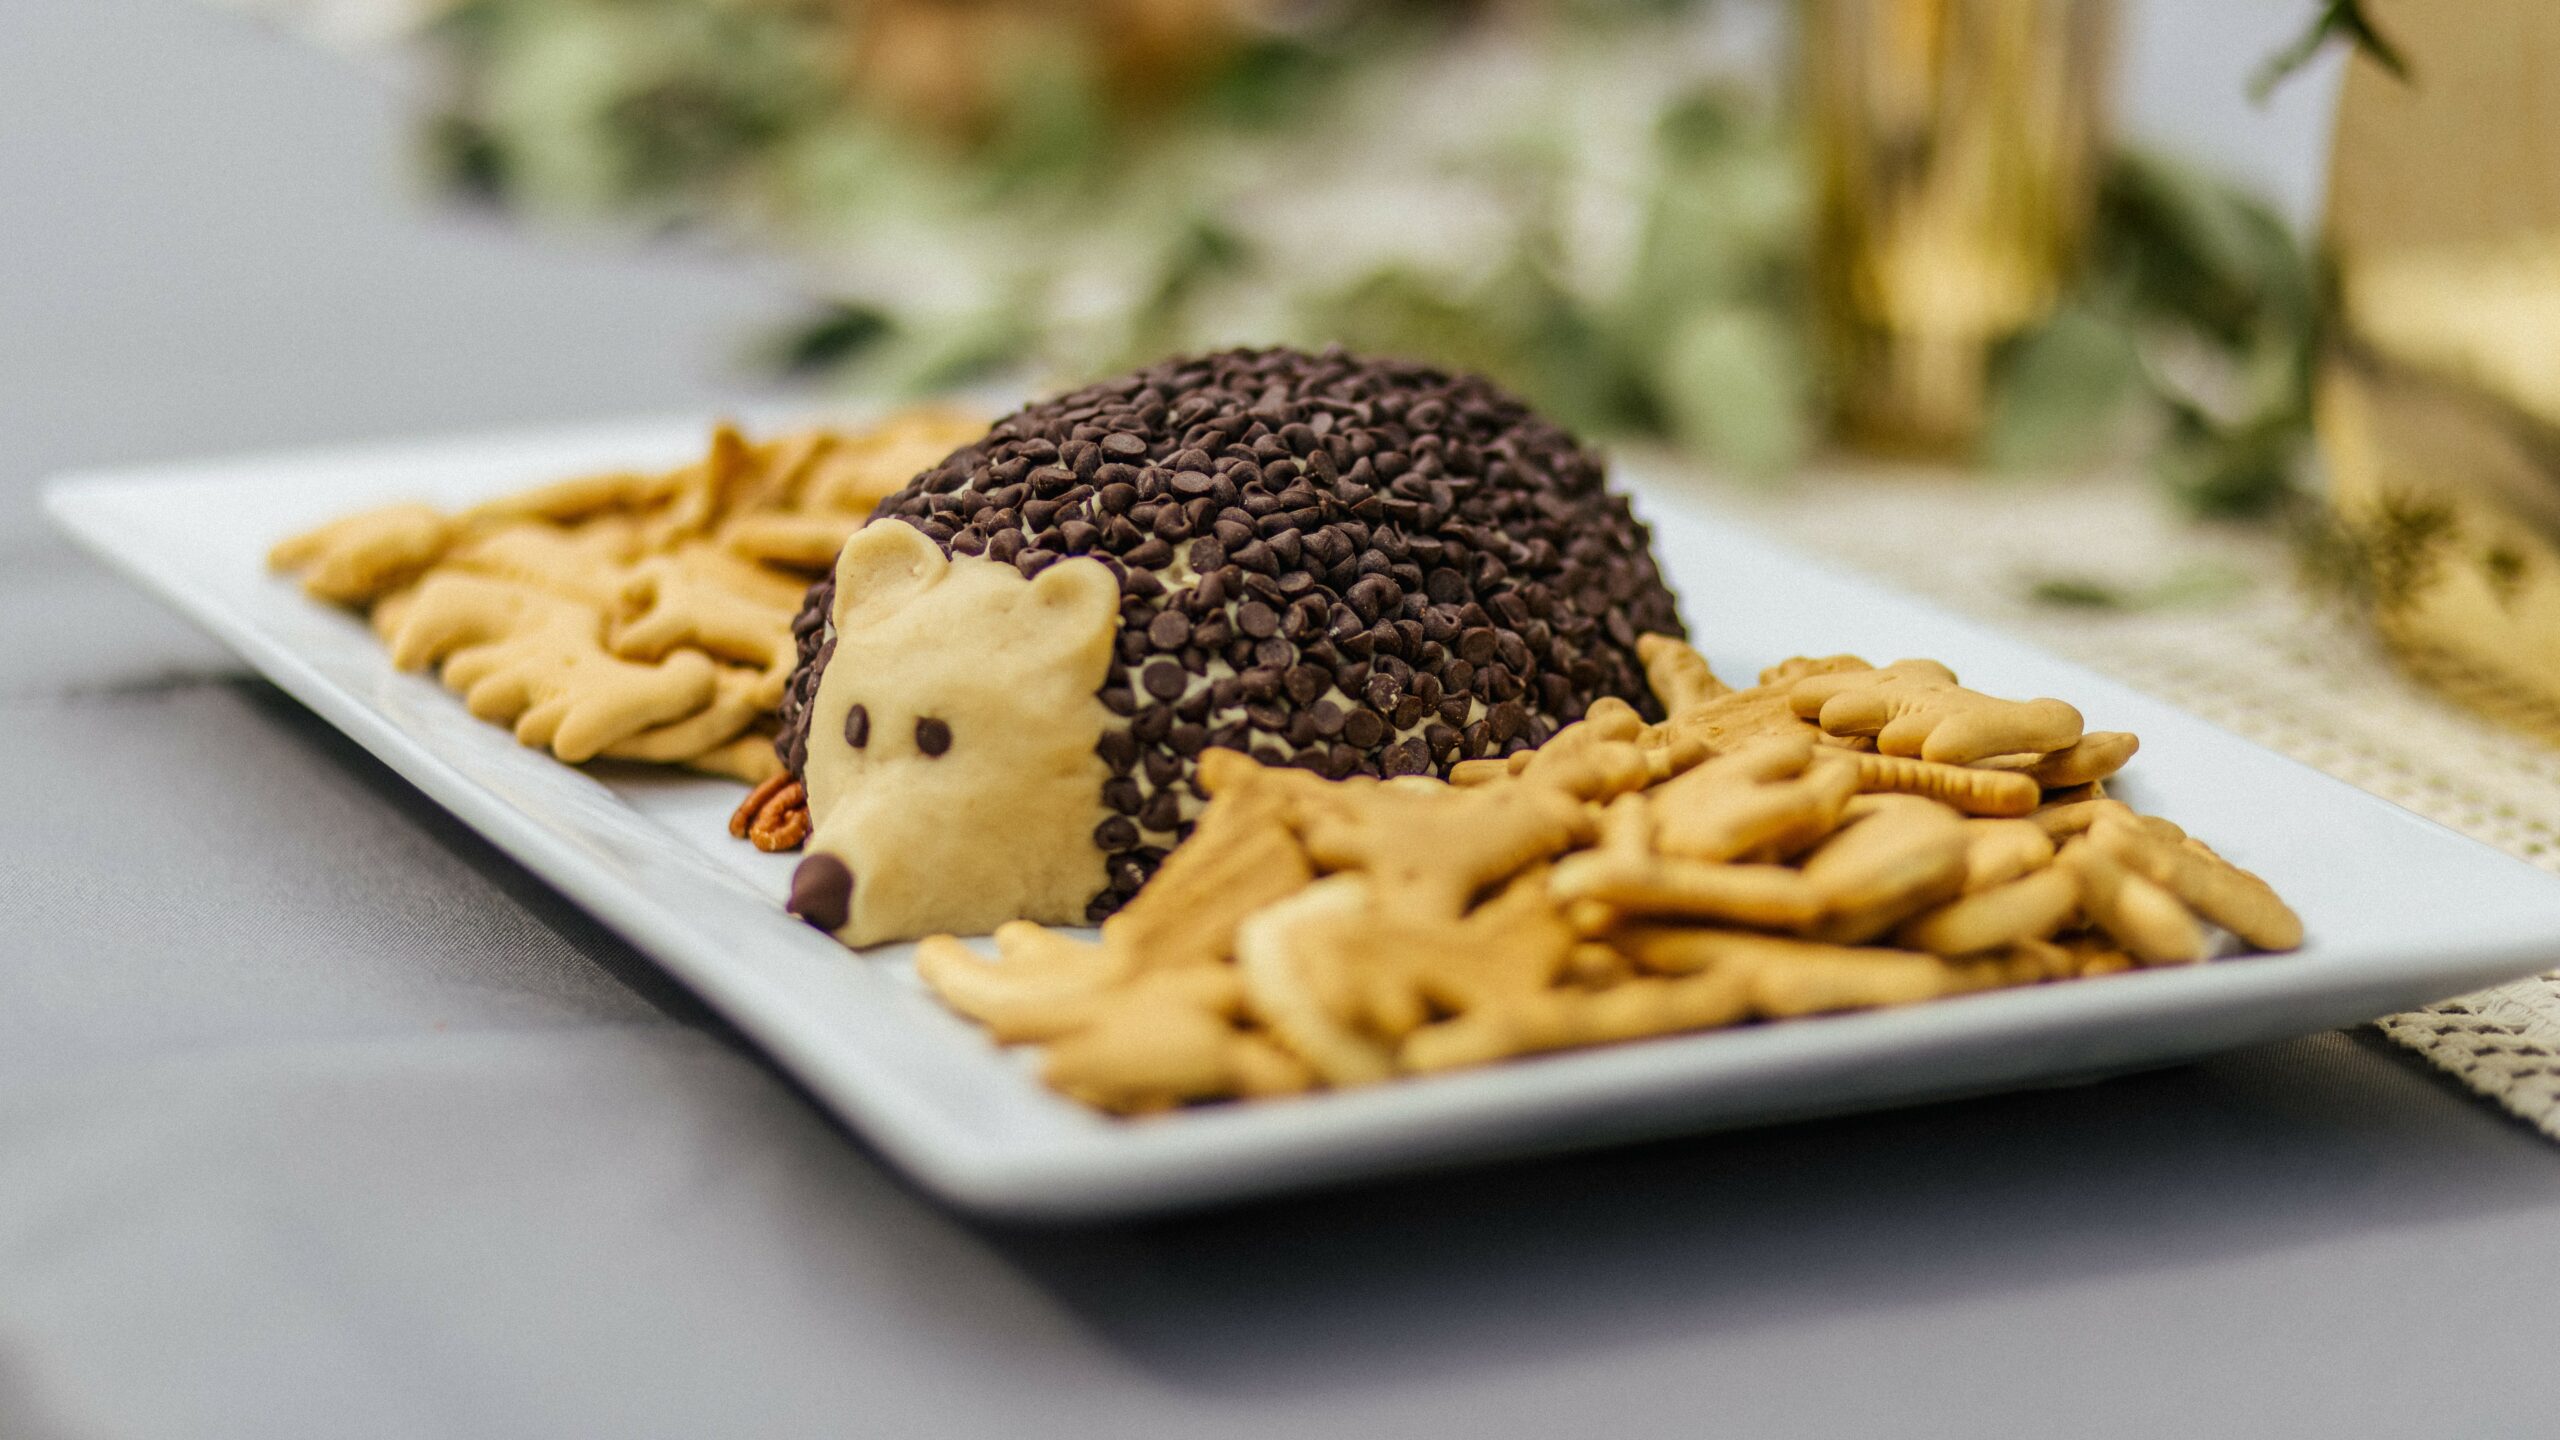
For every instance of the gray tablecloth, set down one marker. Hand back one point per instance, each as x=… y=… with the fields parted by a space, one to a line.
x=319 y=1118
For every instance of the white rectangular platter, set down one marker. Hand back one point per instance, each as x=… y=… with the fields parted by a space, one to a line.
x=2400 y=911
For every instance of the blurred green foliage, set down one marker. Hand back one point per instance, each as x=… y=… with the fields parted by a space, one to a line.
x=2337 y=22
x=2193 y=584
x=1650 y=280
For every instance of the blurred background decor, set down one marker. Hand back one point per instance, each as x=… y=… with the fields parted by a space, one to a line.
x=1619 y=206
x=2440 y=396
x=1956 y=148
x=1606 y=203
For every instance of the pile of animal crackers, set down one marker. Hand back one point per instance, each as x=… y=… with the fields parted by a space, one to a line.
x=625 y=616
x=1838 y=837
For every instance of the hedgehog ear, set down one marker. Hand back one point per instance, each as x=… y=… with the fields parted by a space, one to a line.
x=1078 y=595
x=883 y=566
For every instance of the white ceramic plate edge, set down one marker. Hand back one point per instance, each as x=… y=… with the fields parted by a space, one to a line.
x=1056 y=1166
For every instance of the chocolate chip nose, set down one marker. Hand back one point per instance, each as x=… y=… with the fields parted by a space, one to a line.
x=822 y=892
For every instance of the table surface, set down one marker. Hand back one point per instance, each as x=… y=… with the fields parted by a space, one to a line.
x=319 y=1117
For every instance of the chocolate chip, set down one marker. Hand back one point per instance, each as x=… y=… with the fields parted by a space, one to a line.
x=1170 y=630
x=1374 y=596
x=857 y=727
x=1305 y=682
x=933 y=736
x=1123 y=446
x=1163 y=679
x=1364 y=728
x=822 y=891
x=1556 y=693
x=1126 y=874
x=1163 y=811
x=1121 y=793
x=1116 y=834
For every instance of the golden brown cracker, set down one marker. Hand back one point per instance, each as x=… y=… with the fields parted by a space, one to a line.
x=710 y=558
x=1990 y=793
x=1916 y=708
x=361 y=558
x=1242 y=855
x=1769 y=799
x=2208 y=884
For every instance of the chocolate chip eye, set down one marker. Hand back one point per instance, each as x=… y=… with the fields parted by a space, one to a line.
x=857 y=727
x=932 y=736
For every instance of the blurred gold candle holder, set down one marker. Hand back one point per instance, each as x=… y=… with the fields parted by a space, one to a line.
x=2439 y=396
x=1955 y=157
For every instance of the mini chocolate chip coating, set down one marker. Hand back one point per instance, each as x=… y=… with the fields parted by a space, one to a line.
x=1351 y=565
x=822 y=891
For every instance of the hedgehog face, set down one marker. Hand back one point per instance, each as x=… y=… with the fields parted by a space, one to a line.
x=952 y=776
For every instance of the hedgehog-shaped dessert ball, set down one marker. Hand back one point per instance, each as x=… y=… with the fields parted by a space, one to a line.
x=1361 y=567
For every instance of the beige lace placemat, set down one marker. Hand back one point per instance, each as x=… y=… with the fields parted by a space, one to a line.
x=2234 y=639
